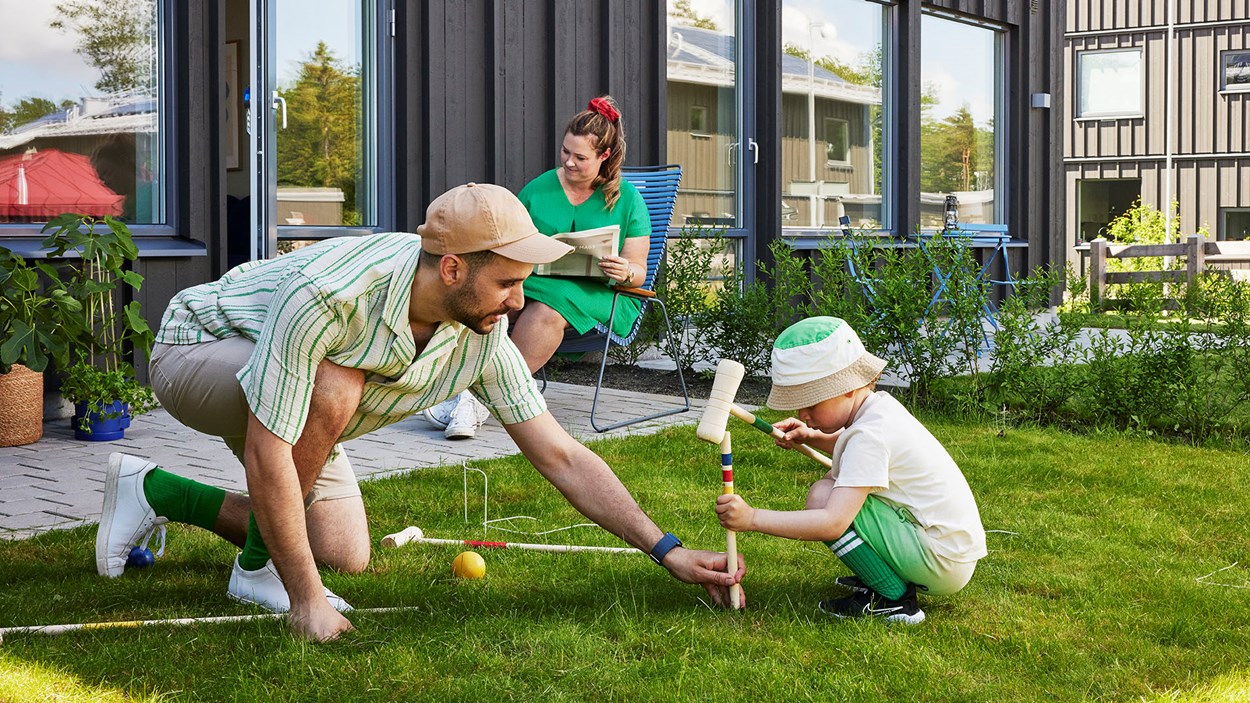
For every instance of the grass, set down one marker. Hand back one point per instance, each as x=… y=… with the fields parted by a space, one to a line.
x=1090 y=592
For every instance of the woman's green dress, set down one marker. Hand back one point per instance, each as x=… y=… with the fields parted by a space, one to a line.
x=584 y=302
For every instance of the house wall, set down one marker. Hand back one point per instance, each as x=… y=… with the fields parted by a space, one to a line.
x=1210 y=144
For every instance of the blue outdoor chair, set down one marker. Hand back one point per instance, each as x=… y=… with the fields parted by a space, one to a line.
x=658 y=186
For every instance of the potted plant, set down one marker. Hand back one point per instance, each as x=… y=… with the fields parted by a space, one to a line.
x=98 y=379
x=33 y=316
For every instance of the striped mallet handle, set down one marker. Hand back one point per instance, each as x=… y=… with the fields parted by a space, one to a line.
x=761 y=425
x=731 y=537
x=561 y=548
x=61 y=629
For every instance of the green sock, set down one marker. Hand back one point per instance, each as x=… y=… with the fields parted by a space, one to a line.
x=254 y=554
x=868 y=565
x=183 y=500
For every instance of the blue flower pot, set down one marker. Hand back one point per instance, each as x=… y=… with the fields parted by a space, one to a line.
x=103 y=429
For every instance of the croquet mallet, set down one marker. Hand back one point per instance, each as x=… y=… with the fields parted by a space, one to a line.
x=720 y=405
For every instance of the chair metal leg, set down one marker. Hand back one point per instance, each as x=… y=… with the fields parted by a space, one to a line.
x=603 y=362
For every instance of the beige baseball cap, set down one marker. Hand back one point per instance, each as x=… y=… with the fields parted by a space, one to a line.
x=482 y=216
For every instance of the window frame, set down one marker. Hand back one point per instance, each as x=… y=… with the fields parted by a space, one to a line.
x=699 y=125
x=25 y=237
x=1222 y=235
x=1140 y=112
x=845 y=127
x=1225 y=55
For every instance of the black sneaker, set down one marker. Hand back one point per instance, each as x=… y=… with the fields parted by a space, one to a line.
x=871 y=604
x=852 y=583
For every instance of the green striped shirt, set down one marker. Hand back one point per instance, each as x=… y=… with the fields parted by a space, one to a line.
x=346 y=300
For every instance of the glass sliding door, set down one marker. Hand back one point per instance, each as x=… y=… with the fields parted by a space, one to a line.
x=832 y=114
x=315 y=159
x=704 y=116
x=959 y=127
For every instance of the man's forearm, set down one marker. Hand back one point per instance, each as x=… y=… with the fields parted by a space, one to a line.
x=591 y=487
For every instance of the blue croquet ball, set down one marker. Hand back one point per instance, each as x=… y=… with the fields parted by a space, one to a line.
x=139 y=557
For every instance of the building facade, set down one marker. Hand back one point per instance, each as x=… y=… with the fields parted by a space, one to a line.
x=783 y=113
x=1158 y=111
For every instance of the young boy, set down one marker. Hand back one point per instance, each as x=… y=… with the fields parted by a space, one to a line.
x=894 y=508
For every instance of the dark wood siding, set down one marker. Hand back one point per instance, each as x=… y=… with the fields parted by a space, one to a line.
x=488 y=86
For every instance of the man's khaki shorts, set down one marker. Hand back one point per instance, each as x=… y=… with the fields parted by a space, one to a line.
x=196 y=383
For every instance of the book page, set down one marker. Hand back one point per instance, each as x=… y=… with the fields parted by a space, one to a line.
x=589 y=247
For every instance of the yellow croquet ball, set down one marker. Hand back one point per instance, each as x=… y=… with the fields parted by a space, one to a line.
x=469 y=565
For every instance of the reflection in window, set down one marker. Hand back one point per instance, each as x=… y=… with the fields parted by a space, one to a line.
x=702 y=110
x=324 y=164
x=831 y=110
x=80 y=110
x=1236 y=225
x=698 y=118
x=837 y=137
x=958 y=121
x=1235 y=70
x=1109 y=83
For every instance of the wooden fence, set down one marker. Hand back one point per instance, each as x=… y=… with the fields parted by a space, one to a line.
x=1199 y=255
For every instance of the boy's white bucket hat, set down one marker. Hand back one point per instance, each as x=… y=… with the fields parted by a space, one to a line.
x=817 y=359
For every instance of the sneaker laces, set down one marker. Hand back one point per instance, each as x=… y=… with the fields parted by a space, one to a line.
x=148 y=537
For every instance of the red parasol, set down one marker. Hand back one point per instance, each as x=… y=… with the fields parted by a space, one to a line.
x=41 y=185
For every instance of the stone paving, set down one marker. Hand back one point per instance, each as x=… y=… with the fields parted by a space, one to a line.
x=58 y=482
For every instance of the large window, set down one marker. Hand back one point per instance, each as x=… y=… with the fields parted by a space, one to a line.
x=703 y=124
x=959 y=124
x=832 y=73
x=1109 y=83
x=81 y=110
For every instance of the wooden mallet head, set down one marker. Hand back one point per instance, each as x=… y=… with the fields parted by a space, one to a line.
x=729 y=374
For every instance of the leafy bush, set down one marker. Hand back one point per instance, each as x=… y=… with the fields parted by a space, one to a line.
x=681 y=281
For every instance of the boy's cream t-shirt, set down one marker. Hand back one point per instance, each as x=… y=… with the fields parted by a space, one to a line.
x=888 y=450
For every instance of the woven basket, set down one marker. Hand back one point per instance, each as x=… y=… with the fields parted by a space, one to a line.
x=21 y=406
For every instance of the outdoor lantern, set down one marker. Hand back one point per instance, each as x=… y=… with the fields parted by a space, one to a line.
x=950 y=218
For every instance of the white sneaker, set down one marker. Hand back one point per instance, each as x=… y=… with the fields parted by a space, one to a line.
x=440 y=414
x=264 y=587
x=466 y=418
x=126 y=518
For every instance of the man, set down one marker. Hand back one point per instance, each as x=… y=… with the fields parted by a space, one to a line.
x=285 y=358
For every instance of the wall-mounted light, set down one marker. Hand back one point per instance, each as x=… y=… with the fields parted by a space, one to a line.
x=1041 y=100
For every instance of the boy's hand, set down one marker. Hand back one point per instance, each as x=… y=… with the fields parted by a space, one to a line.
x=796 y=432
x=734 y=513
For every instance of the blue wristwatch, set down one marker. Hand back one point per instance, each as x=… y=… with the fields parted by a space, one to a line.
x=661 y=549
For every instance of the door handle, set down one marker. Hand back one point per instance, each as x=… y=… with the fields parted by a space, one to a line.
x=755 y=149
x=280 y=103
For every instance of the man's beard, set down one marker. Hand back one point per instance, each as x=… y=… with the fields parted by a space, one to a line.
x=462 y=307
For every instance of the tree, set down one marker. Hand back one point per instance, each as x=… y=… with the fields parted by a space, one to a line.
x=116 y=37
x=321 y=145
x=953 y=150
x=682 y=10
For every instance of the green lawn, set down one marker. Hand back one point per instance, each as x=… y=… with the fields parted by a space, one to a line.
x=1089 y=592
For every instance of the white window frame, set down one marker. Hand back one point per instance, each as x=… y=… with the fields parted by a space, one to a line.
x=1223 y=79
x=1081 y=113
x=845 y=127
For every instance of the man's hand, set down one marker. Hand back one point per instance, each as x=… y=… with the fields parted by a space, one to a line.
x=735 y=513
x=318 y=622
x=708 y=570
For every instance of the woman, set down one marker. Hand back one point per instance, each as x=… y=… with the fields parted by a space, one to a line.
x=585 y=192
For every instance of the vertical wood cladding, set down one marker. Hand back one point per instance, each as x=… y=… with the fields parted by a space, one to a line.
x=494 y=81
x=1210 y=145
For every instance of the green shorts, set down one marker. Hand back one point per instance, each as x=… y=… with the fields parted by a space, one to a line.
x=893 y=533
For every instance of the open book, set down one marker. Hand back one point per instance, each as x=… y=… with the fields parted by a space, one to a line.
x=589 y=246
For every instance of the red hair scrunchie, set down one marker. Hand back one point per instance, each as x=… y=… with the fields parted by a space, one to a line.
x=603 y=107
